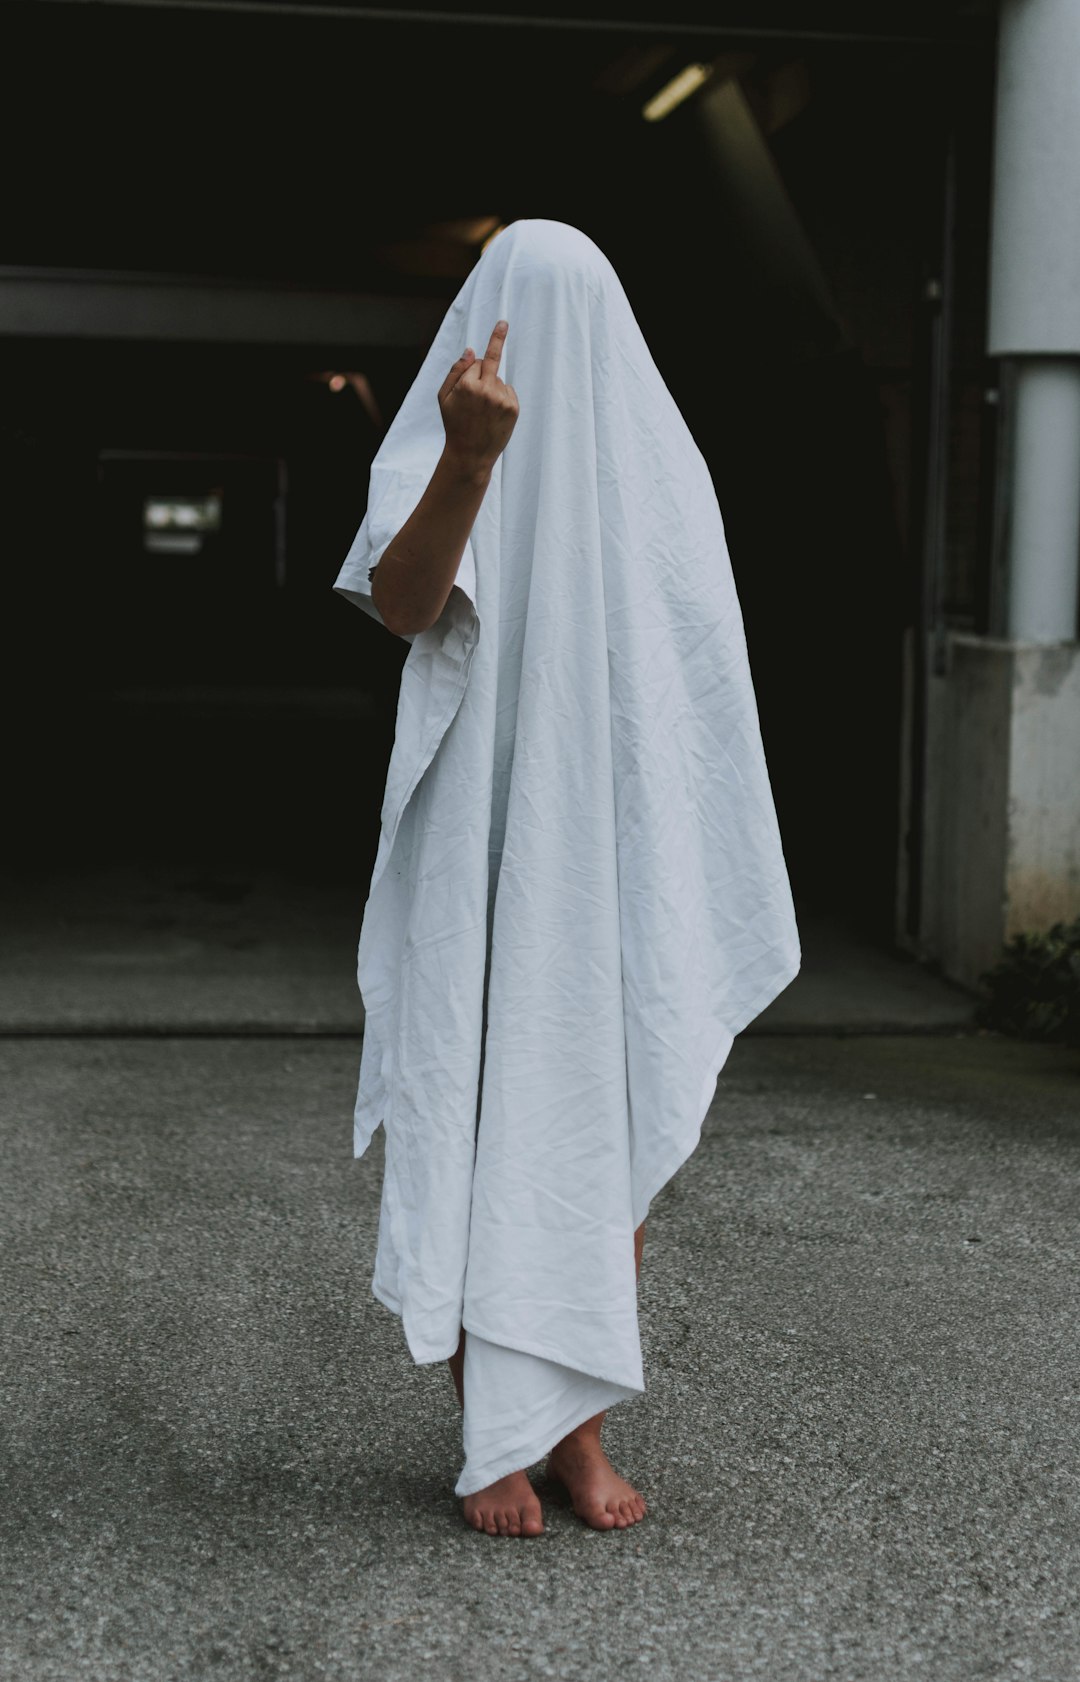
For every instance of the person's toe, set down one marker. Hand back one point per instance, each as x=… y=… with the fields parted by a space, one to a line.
x=532 y=1524
x=513 y=1522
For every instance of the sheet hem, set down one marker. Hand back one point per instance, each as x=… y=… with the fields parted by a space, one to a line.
x=540 y=1446
x=395 y=1307
x=682 y=1153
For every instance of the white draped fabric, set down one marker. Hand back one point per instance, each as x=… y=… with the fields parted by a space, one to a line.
x=578 y=831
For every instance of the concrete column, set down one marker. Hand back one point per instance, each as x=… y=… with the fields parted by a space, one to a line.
x=1044 y=527
x=1035 y=212
x=1034 y=315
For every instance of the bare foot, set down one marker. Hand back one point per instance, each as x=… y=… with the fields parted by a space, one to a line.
x=508 y=1507
x=598 y=1494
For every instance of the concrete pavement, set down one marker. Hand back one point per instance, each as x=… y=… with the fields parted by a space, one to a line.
x=858 y=1441
x=167 y=948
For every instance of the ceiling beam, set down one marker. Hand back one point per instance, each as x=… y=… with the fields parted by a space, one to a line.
x=99 y=304
x=949 y=31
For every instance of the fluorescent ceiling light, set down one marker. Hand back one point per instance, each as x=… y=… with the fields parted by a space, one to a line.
x=674 y=92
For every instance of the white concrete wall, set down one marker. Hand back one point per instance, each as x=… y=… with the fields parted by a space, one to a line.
x=1043 y=839
x=1001 y=826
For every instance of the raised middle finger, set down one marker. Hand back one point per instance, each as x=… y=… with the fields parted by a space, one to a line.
x=494 y=349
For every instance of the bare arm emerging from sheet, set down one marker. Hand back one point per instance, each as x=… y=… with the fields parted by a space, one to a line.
x=413 y=579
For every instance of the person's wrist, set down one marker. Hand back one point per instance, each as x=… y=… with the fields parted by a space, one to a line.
x=467 y=466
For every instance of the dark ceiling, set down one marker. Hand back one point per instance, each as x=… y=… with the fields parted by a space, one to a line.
x=367 y=146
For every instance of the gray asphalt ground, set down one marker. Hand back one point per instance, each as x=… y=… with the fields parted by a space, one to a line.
x=859 y=1437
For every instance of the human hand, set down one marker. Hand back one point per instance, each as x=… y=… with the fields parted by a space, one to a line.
x=479 y=411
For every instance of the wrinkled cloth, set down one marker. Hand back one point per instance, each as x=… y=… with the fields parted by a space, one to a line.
x=577 y=756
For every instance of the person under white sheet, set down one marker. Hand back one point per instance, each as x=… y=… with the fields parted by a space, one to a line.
x=580 y=895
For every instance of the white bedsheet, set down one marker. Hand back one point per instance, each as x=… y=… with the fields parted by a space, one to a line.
x=588 y=679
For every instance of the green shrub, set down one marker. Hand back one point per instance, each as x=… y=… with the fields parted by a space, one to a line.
x=1033 y=991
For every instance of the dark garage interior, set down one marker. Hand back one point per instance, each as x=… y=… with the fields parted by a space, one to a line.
x=197 y=708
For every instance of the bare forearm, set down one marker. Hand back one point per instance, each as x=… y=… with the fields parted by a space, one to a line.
x=413 y=579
